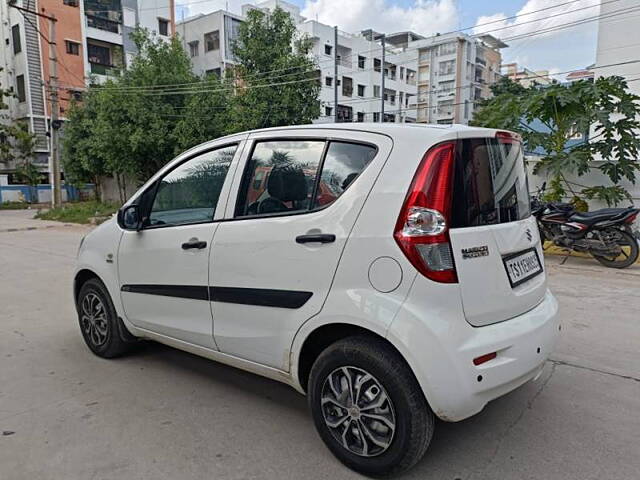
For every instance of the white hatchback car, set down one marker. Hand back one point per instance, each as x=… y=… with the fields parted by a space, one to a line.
x=393 y=273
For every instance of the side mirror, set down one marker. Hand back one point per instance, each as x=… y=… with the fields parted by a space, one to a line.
x=129 y=218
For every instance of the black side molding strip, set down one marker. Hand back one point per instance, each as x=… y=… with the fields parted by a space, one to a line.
x=194 y=292
x=263 y=297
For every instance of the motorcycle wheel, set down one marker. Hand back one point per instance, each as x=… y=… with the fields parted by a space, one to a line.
x=629 y=255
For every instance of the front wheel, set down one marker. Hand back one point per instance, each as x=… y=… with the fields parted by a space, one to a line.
x=627 y=256
x=99 y=323
x=368 y=407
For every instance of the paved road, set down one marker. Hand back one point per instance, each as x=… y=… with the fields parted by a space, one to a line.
x=164 y=414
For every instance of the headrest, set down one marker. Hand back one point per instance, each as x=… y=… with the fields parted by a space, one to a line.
x=287 y=183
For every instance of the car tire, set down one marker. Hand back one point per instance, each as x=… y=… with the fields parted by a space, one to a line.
x=398 y=431
x=102 y=330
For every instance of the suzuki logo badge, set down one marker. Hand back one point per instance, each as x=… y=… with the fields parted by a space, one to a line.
x=529 y=235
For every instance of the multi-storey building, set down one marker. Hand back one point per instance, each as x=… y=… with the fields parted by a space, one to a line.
x=92 y=44
x=454 y=72
x=208 y=39
x=524 y=76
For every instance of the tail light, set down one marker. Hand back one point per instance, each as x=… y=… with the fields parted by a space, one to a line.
x=422 y=227
x=630 y=219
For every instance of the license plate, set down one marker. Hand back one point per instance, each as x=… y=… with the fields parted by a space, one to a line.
x=522 y=266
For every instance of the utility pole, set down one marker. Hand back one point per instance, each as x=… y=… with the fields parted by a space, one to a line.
x=335 y=74
x=383 y=40
x=56 y=197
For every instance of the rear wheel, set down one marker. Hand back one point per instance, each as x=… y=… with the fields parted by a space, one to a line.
x=101 y=328
x=368 y=407
x=627 y=256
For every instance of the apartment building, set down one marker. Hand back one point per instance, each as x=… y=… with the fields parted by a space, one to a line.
x=524 y=76
x=208 y=39
x=454 y=72
x=92 y=44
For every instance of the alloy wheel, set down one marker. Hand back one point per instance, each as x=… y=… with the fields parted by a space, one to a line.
x=94 y=319
x=358 y=411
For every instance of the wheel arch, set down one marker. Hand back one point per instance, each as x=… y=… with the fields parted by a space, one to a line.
x=81 y=277
x=324 y=335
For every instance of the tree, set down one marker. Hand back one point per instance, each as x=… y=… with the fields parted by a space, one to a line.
x=562 y=111
x=206 y=114
x=278 y=82
x=17 y=144
x=127 y=127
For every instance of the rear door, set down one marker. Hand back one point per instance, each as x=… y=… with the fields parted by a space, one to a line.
x=494 y=238
x=275 y=255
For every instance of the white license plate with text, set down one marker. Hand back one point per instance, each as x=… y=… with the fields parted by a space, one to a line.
x=522 y=266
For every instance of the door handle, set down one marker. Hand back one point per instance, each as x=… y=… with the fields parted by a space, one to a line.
x=316 y=238
x=194 y=243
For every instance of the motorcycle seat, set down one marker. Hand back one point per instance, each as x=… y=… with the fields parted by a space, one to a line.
x=589 y=218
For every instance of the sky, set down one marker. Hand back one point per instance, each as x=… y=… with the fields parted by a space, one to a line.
x=557 y=51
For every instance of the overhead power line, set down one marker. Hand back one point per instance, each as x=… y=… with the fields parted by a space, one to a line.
x=263 y=74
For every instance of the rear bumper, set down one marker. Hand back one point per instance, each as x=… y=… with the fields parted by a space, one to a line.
x=441 y=353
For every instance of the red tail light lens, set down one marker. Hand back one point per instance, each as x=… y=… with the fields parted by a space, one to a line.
x=631 y=219
x=422 y=227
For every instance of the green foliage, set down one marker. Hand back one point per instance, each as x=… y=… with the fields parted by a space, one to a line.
x=78 y=212
x=132 y=125
x=267 y=42
x=17 y=144
x=606 y=106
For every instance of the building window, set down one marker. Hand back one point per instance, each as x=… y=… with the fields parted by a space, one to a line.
x=328 y=49
x=163 y=27
x=401 y=73
x=360 y=117
x=15 y=34
x=377 y=64
x=376 y=116
x=362 y=61
x=361 y=90
x=212 y=41
x=347 y=86
x=99 y=54
x=376 y=91
x=73 y=48
x=328 y=81
x=328 y=111
x=448 y=48
x=214 y=71
x=71 y=3
x=193 y=48
x=447 y=68
x=22 y=94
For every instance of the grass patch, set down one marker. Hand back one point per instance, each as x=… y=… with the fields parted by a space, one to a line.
x=15 y=205
x=78 y=212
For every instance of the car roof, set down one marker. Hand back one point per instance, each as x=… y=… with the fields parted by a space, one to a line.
x=388 y=128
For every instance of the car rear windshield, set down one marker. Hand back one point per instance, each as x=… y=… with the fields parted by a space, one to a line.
x=490 y=183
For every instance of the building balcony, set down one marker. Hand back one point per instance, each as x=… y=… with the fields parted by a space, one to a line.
x=103 y=24
x=107 y=70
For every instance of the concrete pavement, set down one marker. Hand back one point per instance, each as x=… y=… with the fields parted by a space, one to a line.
x=164 y=414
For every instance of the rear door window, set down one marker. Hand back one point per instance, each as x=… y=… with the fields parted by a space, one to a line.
x=282 y=175
x=490 y=183
x=342 y=165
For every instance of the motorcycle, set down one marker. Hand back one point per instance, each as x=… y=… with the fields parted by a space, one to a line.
x=606 y=234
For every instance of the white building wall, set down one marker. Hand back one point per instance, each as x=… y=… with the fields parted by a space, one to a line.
x=618 y=42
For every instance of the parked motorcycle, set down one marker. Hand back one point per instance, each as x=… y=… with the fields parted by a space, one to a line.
x=607 y=234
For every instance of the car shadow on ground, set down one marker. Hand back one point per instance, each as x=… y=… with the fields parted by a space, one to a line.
x=460 y=450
